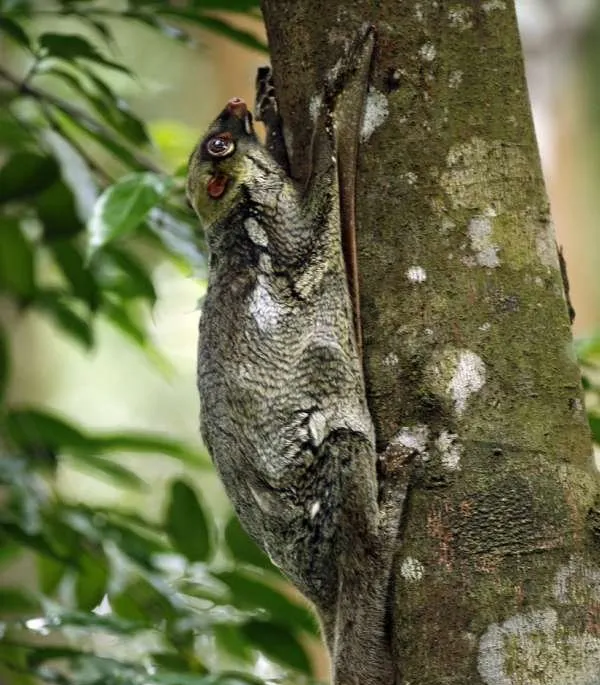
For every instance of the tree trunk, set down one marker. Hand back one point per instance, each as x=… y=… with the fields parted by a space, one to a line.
x=468 y=354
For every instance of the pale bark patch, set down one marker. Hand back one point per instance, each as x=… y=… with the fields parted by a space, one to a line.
x=468 y=378
x=416 y=274
x=428 y=52
x=490 y=5
x=460 y=18
x=576 y=580
x=376 y=112
x=480 y=231
x=413 y=438
x=477 y=171
x=391 y=359
x=450 y=450
x=455 y=78
x=457 y=373
x=536 y=649
x=546 y=246
x=412 y=570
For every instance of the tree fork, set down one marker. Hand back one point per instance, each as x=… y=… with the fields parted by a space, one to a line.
x=467 y=342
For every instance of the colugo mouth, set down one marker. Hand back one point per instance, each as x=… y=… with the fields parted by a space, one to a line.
x=217 y=185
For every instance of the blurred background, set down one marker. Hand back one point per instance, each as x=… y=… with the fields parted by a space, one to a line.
x=149 y=386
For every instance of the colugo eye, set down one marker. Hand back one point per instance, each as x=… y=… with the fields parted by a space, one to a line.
x=220 y=146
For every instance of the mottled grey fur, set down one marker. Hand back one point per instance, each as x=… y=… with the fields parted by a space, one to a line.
x=283 y=407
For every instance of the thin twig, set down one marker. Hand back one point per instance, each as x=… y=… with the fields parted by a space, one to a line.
x=78 y=114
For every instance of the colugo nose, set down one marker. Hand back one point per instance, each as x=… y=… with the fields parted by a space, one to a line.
x=238 y=108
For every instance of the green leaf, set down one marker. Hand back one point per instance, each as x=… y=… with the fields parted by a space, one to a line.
x=13 y=665
x=83 y=619
x=17 y=600
x=141 y=547
x=120 y=272
x=236 y=678
x=32 y=541
x=96 y=133
x=118 y=114
x=71 y=261
x=26 y=174
x=39 y=654
x=143 y=601
x=278 y=643
x=121 y=316
x=186 y=523
x=13 y=135
x=181 y=237
x=588 y=349
x=85 y=668
x=15 y=31
x=17 y=260
x=112 y=109
x=124 y=206
x=8 y=552
x=4 y=365
x=70 y=47
x=91 y=583
x=171 y=661
x=65 y=317
x=113 y=470
x=244 y=549
x=126 y=607
x=249 y=592
x=57 y=210
x=151 y=20
x=230 y=639
x=219 y=26
x=113 y=514
x=166 y=678
x=99 y=27
x=594 y=422
x=148 y=443
x=50 y=573
x=222 y=678
x=32 y=427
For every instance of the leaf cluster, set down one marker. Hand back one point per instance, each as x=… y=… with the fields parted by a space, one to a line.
x=120 y=598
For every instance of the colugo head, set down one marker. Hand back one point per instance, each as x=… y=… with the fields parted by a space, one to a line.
x=219 y=165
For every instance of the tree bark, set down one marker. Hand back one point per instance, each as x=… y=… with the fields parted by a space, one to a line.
x=467 y=343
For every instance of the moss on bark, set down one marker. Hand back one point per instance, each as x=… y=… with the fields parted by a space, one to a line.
x=467 y=340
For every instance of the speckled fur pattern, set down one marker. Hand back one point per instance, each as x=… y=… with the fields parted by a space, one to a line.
x=283 y=407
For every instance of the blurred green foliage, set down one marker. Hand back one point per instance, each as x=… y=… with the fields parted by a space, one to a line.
x=119 y=599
